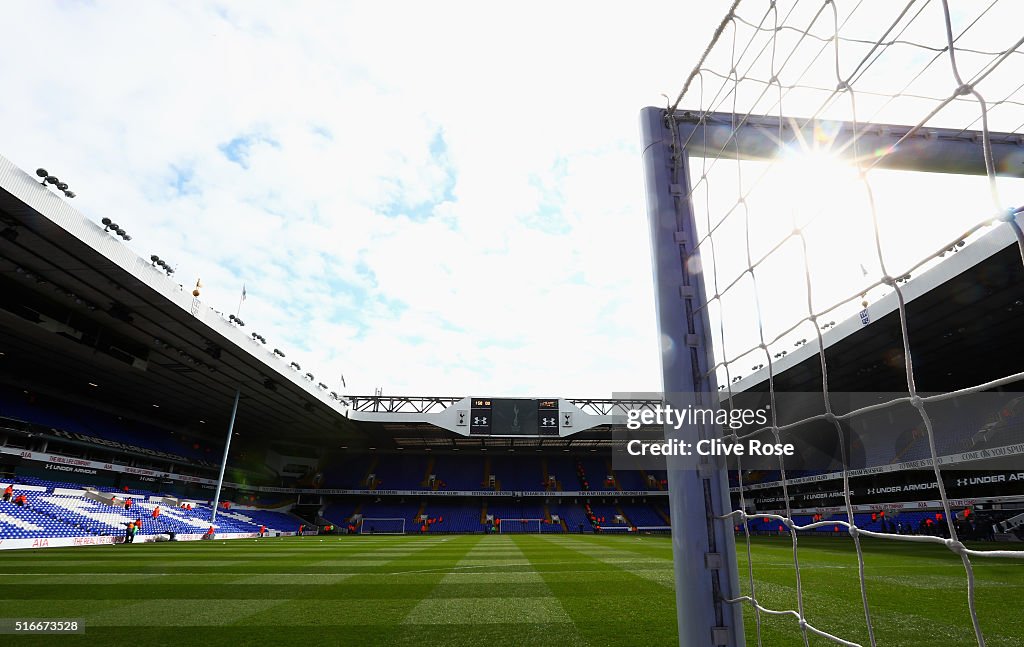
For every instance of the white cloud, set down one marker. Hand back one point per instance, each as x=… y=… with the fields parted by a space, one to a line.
x=531 y=273
x=516 y=262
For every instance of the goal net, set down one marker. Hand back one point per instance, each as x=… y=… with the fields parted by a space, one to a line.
x=826 y=168
x=519 y=526
x=382 y=526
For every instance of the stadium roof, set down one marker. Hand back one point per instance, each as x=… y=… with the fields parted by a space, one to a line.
x=433 y=422
x=86 y=320
x=80 y=309
x=963 y=324
x=82 y=317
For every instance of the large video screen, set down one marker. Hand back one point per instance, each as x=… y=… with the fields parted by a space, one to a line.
x=514 y=417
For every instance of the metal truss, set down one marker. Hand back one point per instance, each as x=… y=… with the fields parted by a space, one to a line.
x=425 y=404
x=400 y=404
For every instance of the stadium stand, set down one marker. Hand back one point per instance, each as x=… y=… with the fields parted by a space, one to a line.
x=597 y=472
x=630 y=480
x=503 y=510
x=461 y=515
x=403 y=472
x=455 y=517
x=459 y=472
x=61 y=509
x=564 y=471
x=574 y=518
x=643 y=515
x=515 y=473
x=387 y=509
x=608 y=515
x=340 y=513
x=75 y=419
x=349 y=472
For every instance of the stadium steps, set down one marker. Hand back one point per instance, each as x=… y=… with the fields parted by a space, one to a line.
x=657 y=483
x=544 y=473
x=420 y=511
x=370 y=470
x=618 y=509
x=486 y=482
x=483 y=514
x=581 y=475
x=661 y=513
x=426 y=475
x=615 y=477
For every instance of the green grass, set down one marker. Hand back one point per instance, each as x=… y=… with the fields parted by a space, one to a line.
x=484 y=590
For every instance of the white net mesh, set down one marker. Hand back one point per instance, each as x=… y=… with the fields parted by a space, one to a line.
x=382 y=526
x=792 y=244
x=519 y=526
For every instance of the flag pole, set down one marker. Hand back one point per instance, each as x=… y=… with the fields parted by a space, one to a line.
x=224 y=461
x=240 y=300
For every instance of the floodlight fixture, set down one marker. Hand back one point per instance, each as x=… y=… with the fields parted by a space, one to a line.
x=55 y=182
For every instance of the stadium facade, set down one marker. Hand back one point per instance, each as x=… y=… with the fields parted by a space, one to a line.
x=117 y=382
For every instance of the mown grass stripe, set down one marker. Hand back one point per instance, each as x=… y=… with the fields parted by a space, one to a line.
x=614 y=590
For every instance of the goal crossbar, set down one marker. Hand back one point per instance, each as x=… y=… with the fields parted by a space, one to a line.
x=760 y=137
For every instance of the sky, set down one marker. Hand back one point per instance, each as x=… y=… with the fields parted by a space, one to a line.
x=854 y=220
x=427 y=198
x=430 y=198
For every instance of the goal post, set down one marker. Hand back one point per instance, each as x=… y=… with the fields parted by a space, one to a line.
x=703 y=540
x=382 y=526
x=520 y=526
x=696 y=496
x=731 y=114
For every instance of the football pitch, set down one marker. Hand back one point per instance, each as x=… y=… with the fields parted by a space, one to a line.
x=484 y=590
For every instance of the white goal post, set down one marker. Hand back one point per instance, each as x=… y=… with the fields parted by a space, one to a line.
x=800 y=91
x=382 y=526
x=514 y=526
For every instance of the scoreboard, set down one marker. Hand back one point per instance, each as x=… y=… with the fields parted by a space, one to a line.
x=513 y=417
